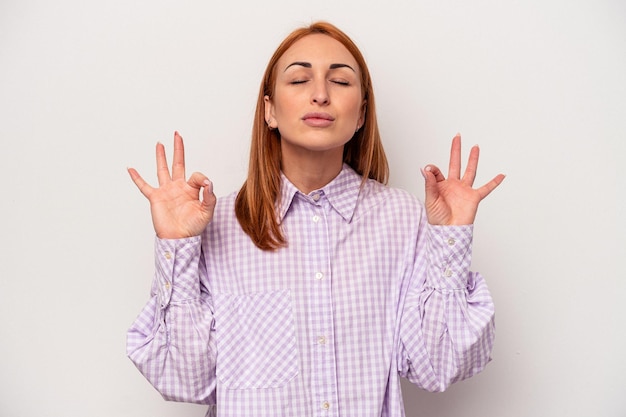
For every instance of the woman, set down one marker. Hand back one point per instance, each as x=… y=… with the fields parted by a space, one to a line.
x=316 y=287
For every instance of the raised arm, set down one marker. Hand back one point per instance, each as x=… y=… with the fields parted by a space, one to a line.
x=447 y=328
x=171 y=341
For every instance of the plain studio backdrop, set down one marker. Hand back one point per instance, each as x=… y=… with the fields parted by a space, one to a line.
x=88 y=87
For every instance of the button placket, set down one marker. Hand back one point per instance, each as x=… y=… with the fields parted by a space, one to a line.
x=323 y=359
x=166 y=285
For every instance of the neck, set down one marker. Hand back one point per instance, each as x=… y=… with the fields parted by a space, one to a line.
x=311 y=170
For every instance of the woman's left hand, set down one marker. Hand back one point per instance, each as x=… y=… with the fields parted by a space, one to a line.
x=453 y=201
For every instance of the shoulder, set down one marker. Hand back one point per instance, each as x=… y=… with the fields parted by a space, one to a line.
x=224 y=214
x=391 y=200
x=380 y=193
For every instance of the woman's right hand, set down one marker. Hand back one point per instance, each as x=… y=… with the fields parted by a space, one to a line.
x=177 y=211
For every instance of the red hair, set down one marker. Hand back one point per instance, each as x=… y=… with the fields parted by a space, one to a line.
x=257 y=198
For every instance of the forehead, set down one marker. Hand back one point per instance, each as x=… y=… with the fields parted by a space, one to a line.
x=317 y=49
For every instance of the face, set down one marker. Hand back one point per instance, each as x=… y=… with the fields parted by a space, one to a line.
x=317 y=104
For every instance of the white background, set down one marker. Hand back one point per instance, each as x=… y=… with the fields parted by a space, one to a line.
x=87 y=88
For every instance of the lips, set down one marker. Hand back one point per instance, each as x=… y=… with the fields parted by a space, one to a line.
x=318 y=119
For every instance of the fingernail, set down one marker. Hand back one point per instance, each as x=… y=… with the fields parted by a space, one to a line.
x=209 y=185
x=423 y=173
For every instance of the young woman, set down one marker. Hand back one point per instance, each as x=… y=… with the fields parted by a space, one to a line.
x=316 y=287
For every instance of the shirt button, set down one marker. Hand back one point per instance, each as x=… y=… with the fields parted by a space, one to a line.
x=316 y=218
x=448 y=272
x=325 y=405
x=167 y=285
x=168 y=255
x=451 y=242
x=321 y=340
x=316 y=197
x=319 y=275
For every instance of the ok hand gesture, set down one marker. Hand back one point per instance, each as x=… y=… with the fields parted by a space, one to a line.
x=177 y=211
x=453 y=201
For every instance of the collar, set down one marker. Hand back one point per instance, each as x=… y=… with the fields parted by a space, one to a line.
x=342 y=193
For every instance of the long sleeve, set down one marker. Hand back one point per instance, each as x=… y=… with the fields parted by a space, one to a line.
x=365 y=292
x=171 y=341
x=447 y=325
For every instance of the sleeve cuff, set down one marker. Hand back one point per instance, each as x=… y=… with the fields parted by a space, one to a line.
x=450 y=254
x=176 y=265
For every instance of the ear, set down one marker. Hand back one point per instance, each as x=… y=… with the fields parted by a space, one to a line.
x=269 y=113
x=361 y=120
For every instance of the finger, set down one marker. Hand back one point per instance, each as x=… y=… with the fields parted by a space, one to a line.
x=178 y=165
x=208 y=197
x=486 y=189
x=436 y=173
x=430 y=183
x=432 y=175
x=454 y=170
x=143 y=186
x=472 y=166
x=163 y=172
x=198 y=181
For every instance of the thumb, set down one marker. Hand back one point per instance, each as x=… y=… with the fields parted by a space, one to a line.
x=201 y=182
x=430 y=182
x=208 y=197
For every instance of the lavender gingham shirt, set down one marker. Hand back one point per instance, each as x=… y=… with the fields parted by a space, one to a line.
x=365 y=293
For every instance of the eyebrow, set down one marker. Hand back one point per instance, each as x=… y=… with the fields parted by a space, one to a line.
x=308 y=65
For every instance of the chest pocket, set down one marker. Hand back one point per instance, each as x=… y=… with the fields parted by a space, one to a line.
x=256 y=340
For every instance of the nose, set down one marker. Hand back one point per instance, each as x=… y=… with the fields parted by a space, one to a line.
x=320 y=93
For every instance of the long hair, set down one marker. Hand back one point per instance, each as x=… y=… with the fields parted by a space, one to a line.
x=257 y=199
